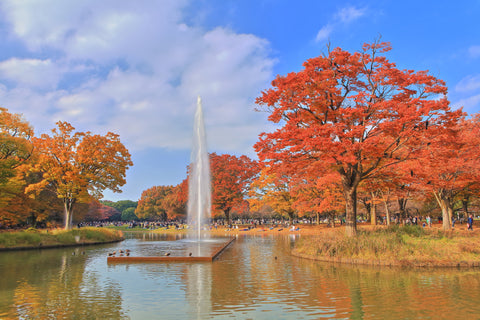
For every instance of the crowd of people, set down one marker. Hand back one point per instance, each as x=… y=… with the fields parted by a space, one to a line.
x=280 y=223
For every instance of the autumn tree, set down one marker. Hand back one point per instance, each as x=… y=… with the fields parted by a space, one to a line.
x=16 y=146
x=450 y=167
x=79 y=166
x=353 y=113
x=152 y=203
x=319 y=195
x=16 y=149
x=97 y=210
x=175 y=203
x=231 y=177
x=274 y=190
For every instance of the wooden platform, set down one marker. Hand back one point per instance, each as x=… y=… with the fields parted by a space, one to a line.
x=211 y=258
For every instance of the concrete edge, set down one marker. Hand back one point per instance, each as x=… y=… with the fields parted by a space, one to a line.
x=130 y=259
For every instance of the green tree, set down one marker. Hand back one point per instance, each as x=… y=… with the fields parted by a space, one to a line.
x=129 y=214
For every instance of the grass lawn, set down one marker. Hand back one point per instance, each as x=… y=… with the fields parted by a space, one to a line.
x=45 y=238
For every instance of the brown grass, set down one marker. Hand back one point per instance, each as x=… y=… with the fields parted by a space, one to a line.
x=398 y=246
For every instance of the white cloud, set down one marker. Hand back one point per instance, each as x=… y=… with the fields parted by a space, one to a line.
x=324 y=33
x=474 y=51
x=469 y=83
x=343 y=17
x=134 y=68
x=350 y=14
x=41 y=74
x=469 y=103
x=468 y=88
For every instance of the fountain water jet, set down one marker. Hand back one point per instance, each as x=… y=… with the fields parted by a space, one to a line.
x=199 y=188
x=199 y=208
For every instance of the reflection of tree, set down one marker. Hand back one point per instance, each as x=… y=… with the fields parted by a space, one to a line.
x=232 y=283
x=55 y=285
x=248 y=277
x=27 y=301
x=394 y=292
x=246 y=281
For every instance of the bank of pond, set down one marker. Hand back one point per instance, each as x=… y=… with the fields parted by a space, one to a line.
x=35 y=238
x=406 y=246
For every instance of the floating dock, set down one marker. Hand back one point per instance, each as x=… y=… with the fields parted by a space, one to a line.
x=211 y=258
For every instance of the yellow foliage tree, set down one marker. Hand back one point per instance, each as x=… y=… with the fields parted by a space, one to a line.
x=272 y=189
x=79 y=166
x=16 y=150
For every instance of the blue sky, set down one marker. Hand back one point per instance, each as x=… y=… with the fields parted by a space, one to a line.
x=136 y=67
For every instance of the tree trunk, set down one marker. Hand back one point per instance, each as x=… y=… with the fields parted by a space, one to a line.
x=387 y=212
x=373 y=214
x=227 y=215
x=465 y=202
x=373 y=210
x=367 y=204
x=351 y=214
x=290 y=216
x=402 y=205
x=350 y=183
x=447 y=210
x=68 y=209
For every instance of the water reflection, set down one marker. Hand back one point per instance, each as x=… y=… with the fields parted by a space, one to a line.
x=198 y=279
x=52 y=284
x=254 y=278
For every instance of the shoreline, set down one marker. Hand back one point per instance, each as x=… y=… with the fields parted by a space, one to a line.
x=383 y=263
x=314 y=232
x=54 y=239
x=448 y=251
x=57 y=246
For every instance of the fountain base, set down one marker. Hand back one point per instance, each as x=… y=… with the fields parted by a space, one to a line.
x=209 y=258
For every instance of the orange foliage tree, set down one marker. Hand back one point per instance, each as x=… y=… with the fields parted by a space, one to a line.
x=450 y=166
x=273 y=190
x=159 y=202
x=319 y=195
x=353 y=113
x=175 y=202
x=231 y=178
x=79 y=166
x=16 y=150
x=16 y=146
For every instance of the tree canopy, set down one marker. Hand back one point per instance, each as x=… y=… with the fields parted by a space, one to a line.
x=79 y=166
x=353 y=113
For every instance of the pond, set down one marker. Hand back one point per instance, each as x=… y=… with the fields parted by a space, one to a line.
x=254 y=278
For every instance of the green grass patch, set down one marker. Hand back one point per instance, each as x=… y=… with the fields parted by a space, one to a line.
x=396 y=245
x=44 y=238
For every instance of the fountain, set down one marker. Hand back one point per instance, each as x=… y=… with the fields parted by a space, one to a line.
x=194 y=249
x=199 y=189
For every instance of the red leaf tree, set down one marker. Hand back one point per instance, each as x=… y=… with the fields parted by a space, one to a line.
x=231 y=178
x=353 y=113
x=450 y=167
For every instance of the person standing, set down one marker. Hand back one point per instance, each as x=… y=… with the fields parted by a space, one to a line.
x=470 y=222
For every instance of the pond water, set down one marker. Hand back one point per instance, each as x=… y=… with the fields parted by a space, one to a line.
x=254 y=278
